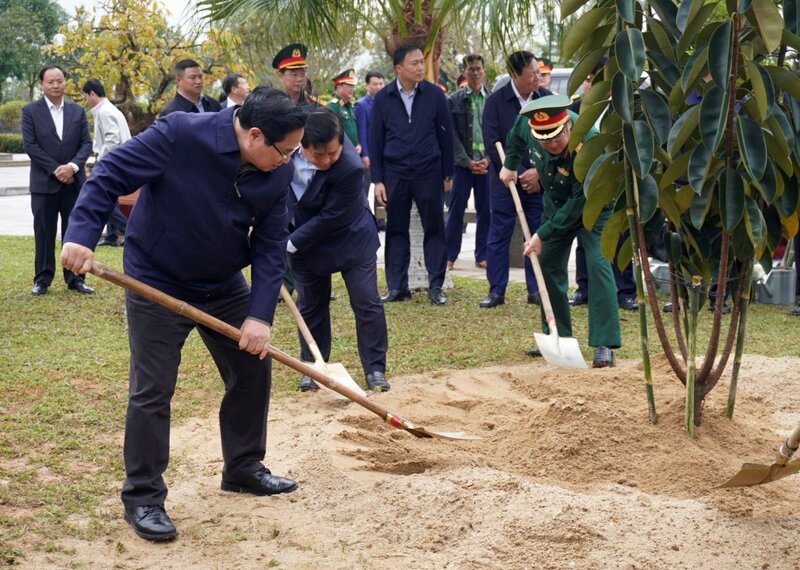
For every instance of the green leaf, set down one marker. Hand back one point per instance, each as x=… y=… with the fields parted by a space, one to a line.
x=758 y=88
x=629 y=49
x=789 y=38
x=585 y=122
x=701 y=204
x=638 y=142
x=609 y=237
x=666 y=201
x=677 y=99
x=603 y=161
x=768 y=185
x=665 y=66
x=622 y=97
x=789 y=200
x=694 y=68
x=588 y=153
x=648 y=198
x=699 y=165
x=766 y=18
x=597 y=92
x=693 y=28
x=773 y=227
x=625 y=8
x=600 y=190
x=741 y=245
x=754 y=222
x=713 y=115
x=783 y=123
x=667 y=13
x=657 y=114
x=720 y=51
x=581 y=29
x=683 y=129
x=752 y=145
x=777 y=147
x=674 y=171
x=687 y=10
x=791 y=15
x=664 y=40
x=731 y=198
x=672 y=242
x=625 y=254
x=583 y=68
x=598 y=38
x=569 y=7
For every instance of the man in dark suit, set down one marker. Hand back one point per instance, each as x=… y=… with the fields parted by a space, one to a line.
x=213 y=201
x=334 y=231
x=499 y=114
x=189 y=97
x=411 y=158
x=55 y=135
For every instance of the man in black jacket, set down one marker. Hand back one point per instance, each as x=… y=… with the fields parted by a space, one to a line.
x=190 y=98
x=334 y=231
x=472 y=164
x=55 y=135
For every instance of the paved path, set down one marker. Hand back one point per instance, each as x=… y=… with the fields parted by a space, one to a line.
x=16 y=219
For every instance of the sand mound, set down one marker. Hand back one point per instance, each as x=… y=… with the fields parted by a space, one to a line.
x=569 y=473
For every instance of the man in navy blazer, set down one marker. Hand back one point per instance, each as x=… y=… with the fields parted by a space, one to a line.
x=411 y=158
x=334 y=231
x=55 y=135
x=213 y=201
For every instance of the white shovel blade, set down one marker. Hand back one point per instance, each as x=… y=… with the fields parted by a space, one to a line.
x=561 y=351
x=342 y=376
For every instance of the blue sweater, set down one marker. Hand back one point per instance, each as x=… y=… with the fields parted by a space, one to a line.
x=411 y=148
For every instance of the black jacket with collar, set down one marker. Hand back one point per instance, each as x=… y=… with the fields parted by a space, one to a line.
x=463 y=124
x=181 y=103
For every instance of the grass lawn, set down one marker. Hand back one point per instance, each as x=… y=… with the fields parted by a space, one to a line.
x=63 y=380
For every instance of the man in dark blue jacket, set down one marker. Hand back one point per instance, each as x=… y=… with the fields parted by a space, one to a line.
x=213 y=201
x=411 y=158
x=335 y=232
x=499 y=114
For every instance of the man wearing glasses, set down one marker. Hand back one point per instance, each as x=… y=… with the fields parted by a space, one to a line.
x=227 y=174
x=543 y=129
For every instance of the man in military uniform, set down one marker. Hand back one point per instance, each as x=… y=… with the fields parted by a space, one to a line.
x=292 y=69
x=543 y=129
x=345 y=86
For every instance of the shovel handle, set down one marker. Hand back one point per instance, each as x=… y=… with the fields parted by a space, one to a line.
x=789 y=447
x=184 y=309
x=301 y=324
x=537 y=268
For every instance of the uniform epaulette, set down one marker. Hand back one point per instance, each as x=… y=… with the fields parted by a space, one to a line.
x=335 y=100
x=578 y=148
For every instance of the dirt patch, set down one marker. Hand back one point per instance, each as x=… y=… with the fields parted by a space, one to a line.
x=569 y=473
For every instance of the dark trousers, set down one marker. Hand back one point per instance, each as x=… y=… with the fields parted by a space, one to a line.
x=428 y=195
x=626 y=283
x=156 y=336
x=313 y=300
x=46 y=209
x=502 y=221
x=464 y=182
x=117 y=222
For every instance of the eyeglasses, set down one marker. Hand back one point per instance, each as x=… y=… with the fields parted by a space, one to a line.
x=285 y=156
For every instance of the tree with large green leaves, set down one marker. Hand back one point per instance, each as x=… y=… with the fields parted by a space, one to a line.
x=700 y=123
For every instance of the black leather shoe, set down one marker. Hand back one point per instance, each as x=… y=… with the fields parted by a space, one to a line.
x=396 y=295
x=435 y=296
x=667 y=307
x=795 y=312
x=533 y=352
x=39 y=289
x=492 y=300
x=109 y=241
x=628 y=304
x=260 y=483
x=534 y=299
x=81 y=287
x=307 y=384
x=726 y=310
x=377 y=381
x=603 y=357
x=578 y=298
x=150 y=522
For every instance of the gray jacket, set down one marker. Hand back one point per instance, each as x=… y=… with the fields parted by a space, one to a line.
x=462 y=125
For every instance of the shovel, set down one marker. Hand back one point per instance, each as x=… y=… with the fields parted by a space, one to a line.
x=561 y=351
x=334 y=369
x=198 y=316
x=756 y=474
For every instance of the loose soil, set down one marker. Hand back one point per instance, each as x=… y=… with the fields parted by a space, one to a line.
x=569 y=473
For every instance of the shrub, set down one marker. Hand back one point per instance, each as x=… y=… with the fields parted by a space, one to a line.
x=11 y=142
x=11 y=116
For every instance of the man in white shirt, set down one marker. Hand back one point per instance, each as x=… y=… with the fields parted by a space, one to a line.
x=236 y=89
x=55 y=135
x=110 y=131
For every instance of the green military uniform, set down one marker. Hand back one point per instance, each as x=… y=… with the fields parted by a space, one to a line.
x=344 y=109
x=562 y=221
